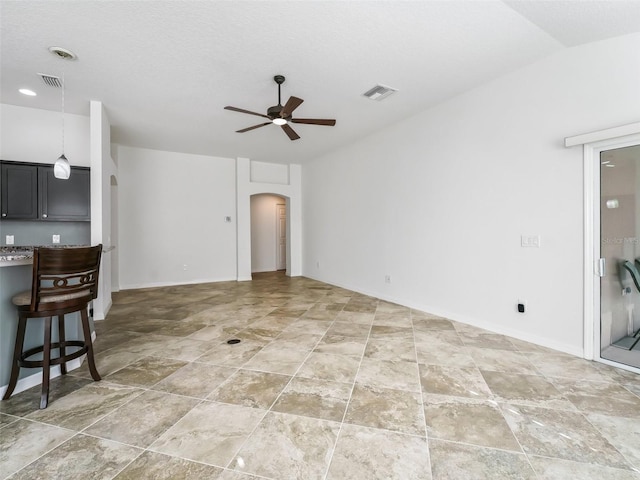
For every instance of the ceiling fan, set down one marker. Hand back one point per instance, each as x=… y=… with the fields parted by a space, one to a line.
x=282 y=115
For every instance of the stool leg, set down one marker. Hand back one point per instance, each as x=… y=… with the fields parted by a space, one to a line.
x=87 y=340
x=61 y=339
x=46 y=358
x=17 y=352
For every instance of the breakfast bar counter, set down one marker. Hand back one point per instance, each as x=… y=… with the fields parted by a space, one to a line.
x=15 y=277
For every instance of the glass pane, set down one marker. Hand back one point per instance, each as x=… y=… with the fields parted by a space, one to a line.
x=619 y=234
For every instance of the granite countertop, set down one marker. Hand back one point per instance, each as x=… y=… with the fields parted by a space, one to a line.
x=22 y=255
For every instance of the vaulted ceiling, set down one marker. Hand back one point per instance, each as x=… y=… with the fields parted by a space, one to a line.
x=165 y=69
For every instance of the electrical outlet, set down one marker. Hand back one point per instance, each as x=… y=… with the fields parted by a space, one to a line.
x=9 y=239
x=55 y=238
x=387 y=279
x=521 y=306
x=184 y=267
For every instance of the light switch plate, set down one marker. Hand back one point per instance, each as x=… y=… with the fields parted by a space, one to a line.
x=56 y=239
x=9 y=240
x=530 y=241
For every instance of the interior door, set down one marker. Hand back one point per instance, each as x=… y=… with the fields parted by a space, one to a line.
x=620 y=255
x=281 y=236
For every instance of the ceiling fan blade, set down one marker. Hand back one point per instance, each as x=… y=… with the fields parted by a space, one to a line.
x=314 y=121
x=290 y=106
x=290 y=133
x=235 y=109
x=252 y=128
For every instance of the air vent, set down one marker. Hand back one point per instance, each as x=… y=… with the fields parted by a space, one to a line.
x=51 y=80
x=379 y=92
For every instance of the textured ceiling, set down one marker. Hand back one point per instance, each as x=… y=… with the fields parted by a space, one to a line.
x=165 y=69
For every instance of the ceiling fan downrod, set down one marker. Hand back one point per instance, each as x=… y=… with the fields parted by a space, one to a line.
x=279 y=79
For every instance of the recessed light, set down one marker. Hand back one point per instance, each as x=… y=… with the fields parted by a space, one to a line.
x=26 y=91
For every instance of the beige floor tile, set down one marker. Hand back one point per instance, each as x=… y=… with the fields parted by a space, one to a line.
x=145 y=372
x=467 y=420
x=346 y=329
x=390 y=455
x=501 y=361
x=390 y=349
x=80 y=458
x=83 y=407
x=207 y=435
x=22 y=442
x=156 y=466
x=288 y=446
x=455 y=461
x=251 y=389
x=522 y=389
x=600 y=397
x=195 y=379
x=460 y=382
x=622 y=433
x=274 y=359
x=328 y=366
x=396 y=374
x=314 y=398
x=396 y=410
x=341 y=345
x=554 y=469
x=561 y=434
x=234 y=355
x=142 y=420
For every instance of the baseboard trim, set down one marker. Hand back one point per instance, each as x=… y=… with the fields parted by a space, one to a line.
x=473 y=321
x=137 y=286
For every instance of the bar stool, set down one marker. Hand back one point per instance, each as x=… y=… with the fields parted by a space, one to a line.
x=64 y=281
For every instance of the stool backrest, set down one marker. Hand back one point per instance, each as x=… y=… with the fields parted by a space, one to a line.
x=64 y=277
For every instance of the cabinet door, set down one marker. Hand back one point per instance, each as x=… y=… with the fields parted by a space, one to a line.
x=19 y=192
x=64 y=200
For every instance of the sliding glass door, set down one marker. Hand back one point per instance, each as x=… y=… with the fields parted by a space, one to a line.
x=620 y=255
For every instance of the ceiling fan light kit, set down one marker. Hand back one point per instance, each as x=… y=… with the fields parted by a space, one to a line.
x=282 y=115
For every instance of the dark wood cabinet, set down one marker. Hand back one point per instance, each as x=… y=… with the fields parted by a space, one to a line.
x=64 y=200
x=19 y=196
x=30 y=191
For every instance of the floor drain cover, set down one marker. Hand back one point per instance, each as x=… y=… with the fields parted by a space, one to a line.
x=233 y=341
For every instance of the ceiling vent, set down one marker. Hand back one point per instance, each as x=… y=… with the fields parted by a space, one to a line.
x=51 y=80
x=379 y=92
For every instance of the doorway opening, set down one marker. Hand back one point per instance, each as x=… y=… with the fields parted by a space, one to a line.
x=269 y=225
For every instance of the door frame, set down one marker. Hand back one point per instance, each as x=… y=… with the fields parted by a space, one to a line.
x=594 y=144
x=286 y=218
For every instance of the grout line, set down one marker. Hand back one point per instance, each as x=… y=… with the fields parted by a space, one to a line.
x=424 y=416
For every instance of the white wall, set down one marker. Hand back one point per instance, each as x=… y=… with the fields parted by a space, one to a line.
x=33 y=135
x=439 y=201
x=102 y=168
x=263 y=232
x=171 y=211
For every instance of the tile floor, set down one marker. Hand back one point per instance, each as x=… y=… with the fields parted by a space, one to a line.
x=325 y=384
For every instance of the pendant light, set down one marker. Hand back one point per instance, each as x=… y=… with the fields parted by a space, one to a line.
x=62 y=169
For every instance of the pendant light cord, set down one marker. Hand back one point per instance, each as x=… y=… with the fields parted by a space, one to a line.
x=63 y=86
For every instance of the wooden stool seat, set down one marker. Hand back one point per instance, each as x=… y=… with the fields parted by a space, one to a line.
x=64 y=281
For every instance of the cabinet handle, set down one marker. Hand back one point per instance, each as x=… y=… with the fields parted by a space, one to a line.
x=44 y=215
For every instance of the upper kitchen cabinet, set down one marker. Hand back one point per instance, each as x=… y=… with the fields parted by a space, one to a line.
x=19 y=191
x=64 y=200
x=31 y=192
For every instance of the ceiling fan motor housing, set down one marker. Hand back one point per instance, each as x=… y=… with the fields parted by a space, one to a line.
x=274 y=112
